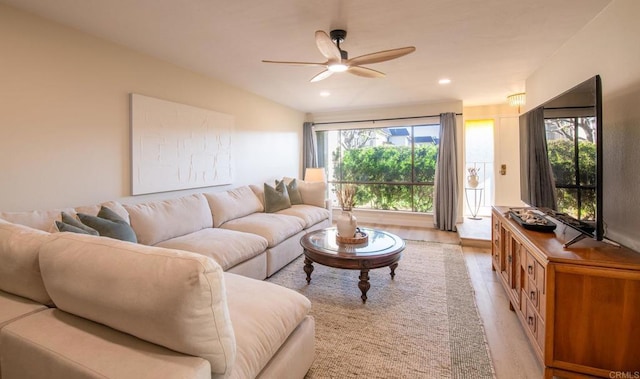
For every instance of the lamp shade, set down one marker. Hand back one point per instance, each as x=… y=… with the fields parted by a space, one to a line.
x=315 y=175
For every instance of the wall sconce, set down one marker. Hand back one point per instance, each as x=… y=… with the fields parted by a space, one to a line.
x=516 y=100
x=315 y=175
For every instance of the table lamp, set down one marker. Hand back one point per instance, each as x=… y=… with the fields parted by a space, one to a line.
x=315 y=175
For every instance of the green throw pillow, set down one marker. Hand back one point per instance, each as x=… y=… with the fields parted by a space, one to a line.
x=71 y=224
x=109 y=224
x=64 y=227
x=294 y=193
x=276 y=199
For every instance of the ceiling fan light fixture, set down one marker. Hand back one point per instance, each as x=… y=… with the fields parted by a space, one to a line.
x=337 y=67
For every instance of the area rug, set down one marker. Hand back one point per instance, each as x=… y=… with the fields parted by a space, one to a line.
x=422 y=324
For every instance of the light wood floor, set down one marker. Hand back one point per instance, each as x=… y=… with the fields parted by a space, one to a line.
x=511 y=354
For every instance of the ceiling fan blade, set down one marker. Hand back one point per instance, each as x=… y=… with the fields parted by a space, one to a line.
x=298 y=63
x=327 y=47
x=323 y=75
x=365 y=72
x=381 y=56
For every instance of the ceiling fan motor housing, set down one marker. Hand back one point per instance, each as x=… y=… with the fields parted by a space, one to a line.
x=338 y=35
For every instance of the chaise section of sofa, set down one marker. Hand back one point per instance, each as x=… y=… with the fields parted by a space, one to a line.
x=275 y=334
x=132 y=311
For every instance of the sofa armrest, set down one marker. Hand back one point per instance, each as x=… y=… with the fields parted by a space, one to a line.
x=327 y=206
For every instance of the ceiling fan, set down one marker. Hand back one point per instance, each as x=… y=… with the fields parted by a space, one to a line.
x=338 y=59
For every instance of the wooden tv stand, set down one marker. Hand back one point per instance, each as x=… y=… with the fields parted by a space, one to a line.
x=579 y=306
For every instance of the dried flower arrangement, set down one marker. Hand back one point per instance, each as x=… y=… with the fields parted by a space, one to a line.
x=473 y=171
x=347 y=196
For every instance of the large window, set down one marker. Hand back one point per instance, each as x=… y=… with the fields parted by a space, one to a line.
x=393 y=168
x=572 y=153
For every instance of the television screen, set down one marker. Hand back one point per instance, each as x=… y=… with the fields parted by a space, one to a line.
x=561 y=157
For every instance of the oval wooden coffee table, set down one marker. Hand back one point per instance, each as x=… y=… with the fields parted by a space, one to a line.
x=382 y=249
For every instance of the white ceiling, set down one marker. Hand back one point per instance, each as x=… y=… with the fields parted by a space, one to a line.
x=486 y=47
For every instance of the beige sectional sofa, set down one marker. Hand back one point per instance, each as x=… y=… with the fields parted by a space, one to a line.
x=183 y=302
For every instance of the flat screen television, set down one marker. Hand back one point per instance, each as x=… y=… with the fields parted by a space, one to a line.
x=561 y=158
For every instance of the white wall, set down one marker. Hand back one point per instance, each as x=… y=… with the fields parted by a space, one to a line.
x=607 y=46
x=64 y=117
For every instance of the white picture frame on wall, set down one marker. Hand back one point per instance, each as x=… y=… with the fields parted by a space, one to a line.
x=176 y=146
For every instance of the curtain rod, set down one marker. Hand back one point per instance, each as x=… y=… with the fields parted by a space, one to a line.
x=379 y=119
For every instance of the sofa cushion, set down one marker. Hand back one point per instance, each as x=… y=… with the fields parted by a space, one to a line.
x=41 y=220
x=274 y=227
x=227 y=247
x=276 y=199
x=309 y=213
x=19 y=269
x=57 y=345
x=261 y=323
x=162 y=220
x=109 y=224
x=13 y=307
x=232 y=204
x=313 y=193
x=172 y=298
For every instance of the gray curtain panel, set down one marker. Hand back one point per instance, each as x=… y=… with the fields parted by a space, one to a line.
x=445 y=207
x=309 y=146
x=541 y=181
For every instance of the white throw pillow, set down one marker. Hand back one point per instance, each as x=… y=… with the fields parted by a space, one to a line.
x=232 y=204
x=313 y=193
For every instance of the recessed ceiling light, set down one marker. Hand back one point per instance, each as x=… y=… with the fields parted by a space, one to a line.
x=444 y=81
x=325 y=93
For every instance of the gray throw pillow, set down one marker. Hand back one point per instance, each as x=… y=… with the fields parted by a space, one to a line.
x=294 y=193
x=276 y=199
x=109 y=224
x=72 y=224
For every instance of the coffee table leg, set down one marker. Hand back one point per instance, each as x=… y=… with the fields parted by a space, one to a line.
x=308 y=268
x=393 y=270
x=364 y=284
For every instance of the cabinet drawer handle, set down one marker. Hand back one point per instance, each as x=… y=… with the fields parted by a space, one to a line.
x=530 y=270
x=532 y=295
x=530 y=320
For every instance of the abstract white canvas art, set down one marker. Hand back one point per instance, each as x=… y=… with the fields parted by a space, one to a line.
x=176 y=146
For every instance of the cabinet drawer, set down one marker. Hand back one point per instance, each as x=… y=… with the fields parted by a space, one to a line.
x=530 y=318
x=535 y=271
x=533 y=294
x=530 y=267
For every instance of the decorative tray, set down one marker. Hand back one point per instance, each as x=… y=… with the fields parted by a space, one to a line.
x=358 y=238
x=531 y=220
